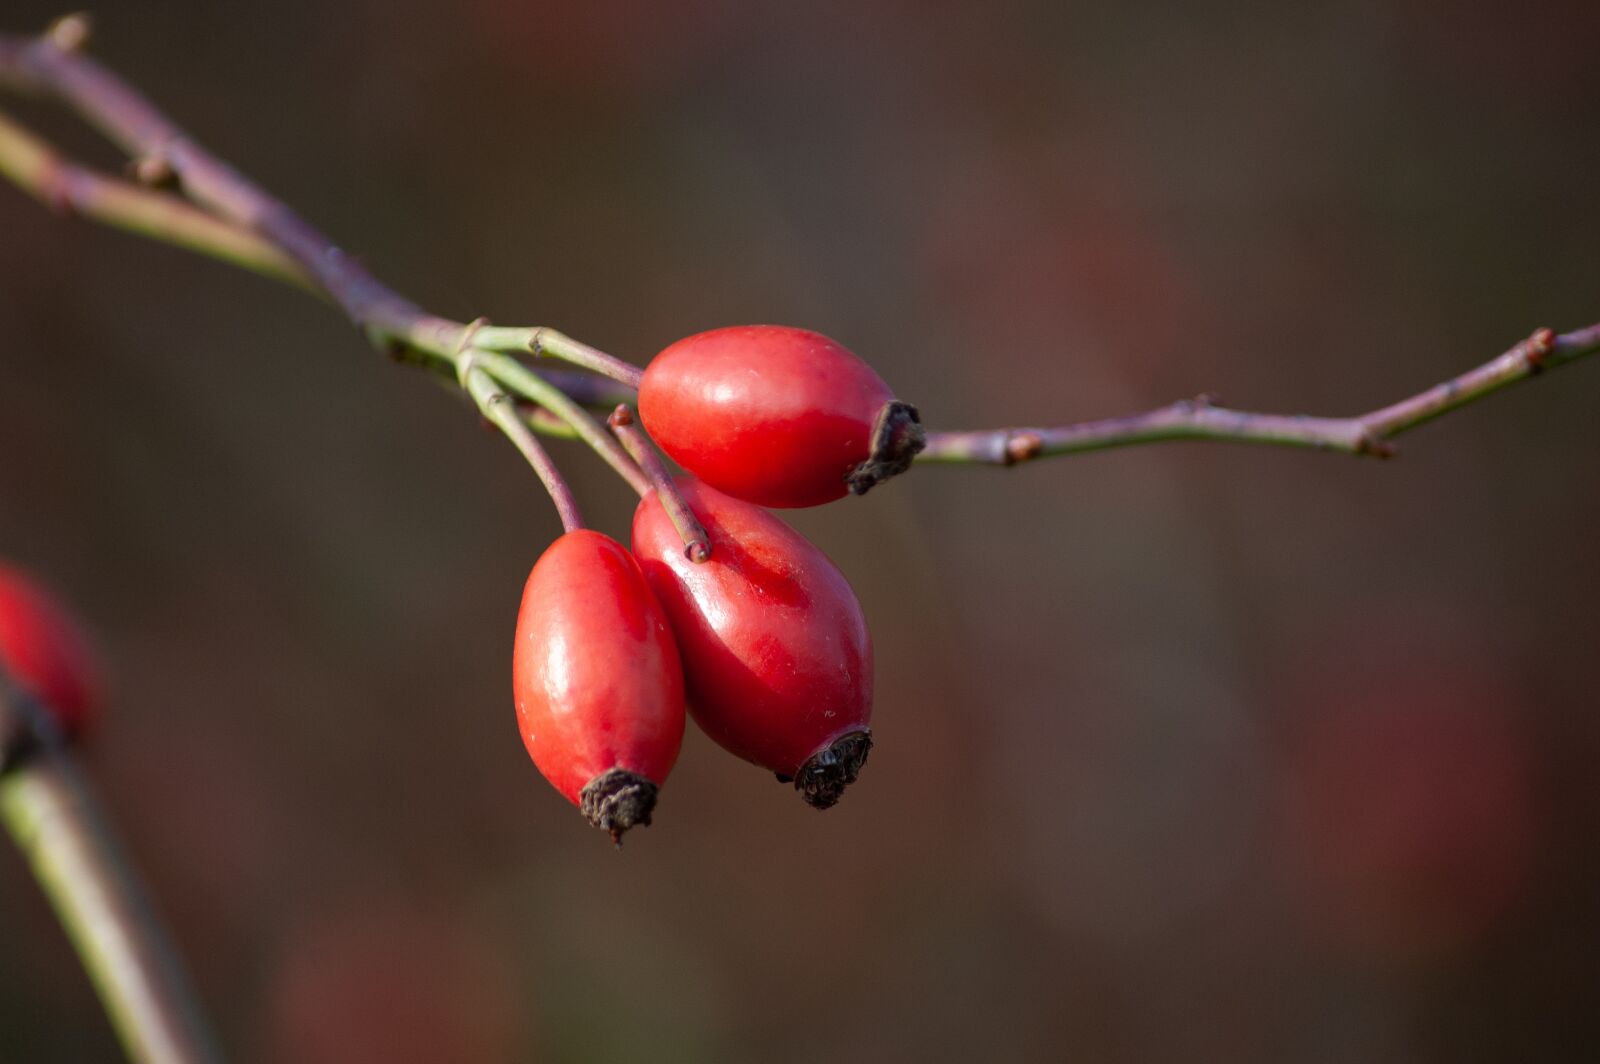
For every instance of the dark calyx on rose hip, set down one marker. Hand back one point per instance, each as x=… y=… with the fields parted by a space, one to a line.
x=776 y=653
x=826 y=774
x=597 y=680
x=777 y=416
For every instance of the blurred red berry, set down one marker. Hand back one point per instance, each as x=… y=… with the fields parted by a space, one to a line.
x=598 y=685
x=1413 y=816
x=393 y=982
x=44 y=652
x=776 y=416
x=775 y=648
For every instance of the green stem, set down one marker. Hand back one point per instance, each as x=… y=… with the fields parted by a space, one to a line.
x=53 y=817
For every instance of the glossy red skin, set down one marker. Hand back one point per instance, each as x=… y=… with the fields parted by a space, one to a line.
x=775 y=648
x=595 y=671
x=765 y=413
x=43 y=651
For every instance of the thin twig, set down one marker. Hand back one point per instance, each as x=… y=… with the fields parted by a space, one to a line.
x=1198 y=419
x=696 y=544
x=54 y=818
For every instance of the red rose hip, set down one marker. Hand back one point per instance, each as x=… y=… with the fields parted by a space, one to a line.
x=775 y=649
x=43 y=652
x=776 y=416
x=598 y=684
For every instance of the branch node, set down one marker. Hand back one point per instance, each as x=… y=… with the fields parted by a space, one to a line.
x=1374 y=446
x=1023 y=447
x=1537 y=348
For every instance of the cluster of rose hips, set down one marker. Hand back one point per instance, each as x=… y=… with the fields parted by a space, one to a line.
x=759 y=638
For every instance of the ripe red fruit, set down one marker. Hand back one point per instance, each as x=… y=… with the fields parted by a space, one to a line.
x=44 y=653
x=776 y=416
x=598 y=685
x=775 y=648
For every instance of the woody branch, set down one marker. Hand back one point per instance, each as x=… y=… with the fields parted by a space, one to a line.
x=232 y=219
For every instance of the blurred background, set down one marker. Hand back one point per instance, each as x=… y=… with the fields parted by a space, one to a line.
x=1191 y=752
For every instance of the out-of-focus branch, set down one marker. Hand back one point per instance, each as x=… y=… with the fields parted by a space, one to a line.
x=53 y=817
x=1200 y=419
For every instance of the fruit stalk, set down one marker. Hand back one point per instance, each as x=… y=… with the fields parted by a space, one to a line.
x=696 y=544
x=497 y=407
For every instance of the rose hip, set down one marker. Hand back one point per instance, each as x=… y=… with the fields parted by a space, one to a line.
x=776 y=416
x=775 y=648
x=44 y=653
x=598 y=684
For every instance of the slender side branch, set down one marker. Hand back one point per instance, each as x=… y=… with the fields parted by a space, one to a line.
x=696 y=544
x=1198 y=419
x=66 y=188
x=52 y=815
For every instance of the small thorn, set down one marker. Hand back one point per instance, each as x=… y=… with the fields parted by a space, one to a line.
x=621 y=417
x=154 y=171
x=70 y=32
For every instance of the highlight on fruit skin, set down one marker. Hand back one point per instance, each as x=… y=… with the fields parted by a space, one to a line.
x=776 y=652
x=777 y=416
x=45 y=653
x=597 y=681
